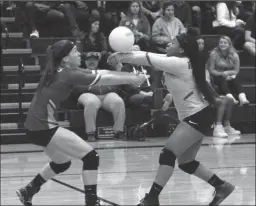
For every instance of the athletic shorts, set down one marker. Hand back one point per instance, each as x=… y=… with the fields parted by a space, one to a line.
x=41 y=137
x=202 y=120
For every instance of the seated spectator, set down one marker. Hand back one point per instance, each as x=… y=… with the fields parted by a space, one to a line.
x=224 y=107
x=152 y=9
x=208 y=13
x=196 y=14
x=224 y=66
x=246 y=9
x=250 y=35
x=183 y=12
x=95 y=97
x=94 y=40
x=113 y=13
x=164 y=31
x=166 y=28
x=56 y=11
x=138 y=23
x=227 y=24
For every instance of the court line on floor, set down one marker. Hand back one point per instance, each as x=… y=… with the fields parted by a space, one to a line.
x=127 y=172
x=130 y=147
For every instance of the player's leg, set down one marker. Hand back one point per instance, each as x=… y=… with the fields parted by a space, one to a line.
x=60 y=163
x=183 y=137
x=72 y=145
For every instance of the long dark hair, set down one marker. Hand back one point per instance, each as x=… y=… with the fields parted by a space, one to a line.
x=189 y=44
x=54 y=55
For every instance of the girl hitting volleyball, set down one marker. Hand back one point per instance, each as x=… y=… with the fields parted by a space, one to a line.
x=192 y=96
x=60 y=77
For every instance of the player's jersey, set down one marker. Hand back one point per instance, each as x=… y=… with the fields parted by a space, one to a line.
x=181 y=84
x=46 y=101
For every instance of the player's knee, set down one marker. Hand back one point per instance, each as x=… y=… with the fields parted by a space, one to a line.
x=189 y=167
x=167 y=157
x=59 y=168
x=91 y=161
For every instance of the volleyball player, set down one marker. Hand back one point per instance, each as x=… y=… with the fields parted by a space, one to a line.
x=194 y=100
x=61 y=75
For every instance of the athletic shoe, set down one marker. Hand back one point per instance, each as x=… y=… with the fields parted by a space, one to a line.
x=219 y=131
x=34 y=34
x=92 y=200
x=221 y=193
x=148 y=200
x=120 y=135
x=91 y=137
x=231 y=131
x=25 y=196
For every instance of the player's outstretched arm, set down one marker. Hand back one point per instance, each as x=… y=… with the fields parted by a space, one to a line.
x=158 y=61
x=82 y=78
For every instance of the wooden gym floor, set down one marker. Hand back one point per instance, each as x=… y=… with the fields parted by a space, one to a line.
x=127 y=170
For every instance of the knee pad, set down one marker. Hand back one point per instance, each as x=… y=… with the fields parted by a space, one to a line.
x=59 y=168
x=167 y=157
x=189 y=167
x=91 y=161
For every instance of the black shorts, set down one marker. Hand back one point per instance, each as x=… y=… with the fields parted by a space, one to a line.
x=41 y=137
x=202 y=120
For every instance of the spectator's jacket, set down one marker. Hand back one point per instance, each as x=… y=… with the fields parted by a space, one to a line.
x=223 y=16
x=142 y=26
x=160 y=31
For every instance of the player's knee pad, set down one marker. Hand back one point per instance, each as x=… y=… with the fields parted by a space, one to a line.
x=91 y=161
x=59 y=168
x=189 y=167
x=167 y=157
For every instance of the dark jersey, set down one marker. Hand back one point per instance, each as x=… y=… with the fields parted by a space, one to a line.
x=47 y=100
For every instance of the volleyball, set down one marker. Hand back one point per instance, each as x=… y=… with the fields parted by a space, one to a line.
x=121 y=39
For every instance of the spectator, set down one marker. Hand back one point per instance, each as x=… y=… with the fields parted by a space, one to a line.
x=183 y=12
x=250 y=35
x=196 y=14
x=138 y=23
x=224 y=107
x=95 y=97
x=246 y=9
x=56 y=11
x=227 y=24
x=166 y=28
x=114 y=12
x=164 y=31
x=95 y=41
x=208 y=12
x=224 y=66
x=152 y=9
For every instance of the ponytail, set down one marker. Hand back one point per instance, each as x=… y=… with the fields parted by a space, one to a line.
x=190 y=47
x=49 y=70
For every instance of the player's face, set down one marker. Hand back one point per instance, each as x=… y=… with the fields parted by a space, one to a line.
x=92 y=63
x=135 y=8
x=173 y=48
x=223 y=44
x=95 y=26
x=169 y=11
x=74 y=57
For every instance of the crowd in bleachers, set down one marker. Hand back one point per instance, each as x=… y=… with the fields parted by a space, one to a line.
x=155 y=24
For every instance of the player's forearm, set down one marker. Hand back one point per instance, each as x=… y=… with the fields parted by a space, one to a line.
x=116 y=78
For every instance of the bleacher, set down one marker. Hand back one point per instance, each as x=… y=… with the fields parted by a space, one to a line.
x=23 y=58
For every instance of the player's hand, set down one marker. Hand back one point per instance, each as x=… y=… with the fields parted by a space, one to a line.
x=165 y=106
x=138 y=80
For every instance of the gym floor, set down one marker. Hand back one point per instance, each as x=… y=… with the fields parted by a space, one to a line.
x=127 y=170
